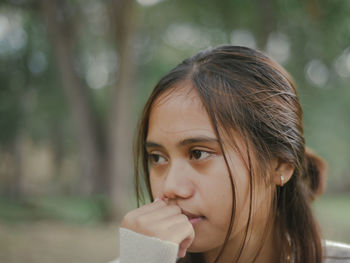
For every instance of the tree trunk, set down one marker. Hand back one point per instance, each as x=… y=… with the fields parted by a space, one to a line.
x=120 y=125
x=14 y=189
x=77 y=94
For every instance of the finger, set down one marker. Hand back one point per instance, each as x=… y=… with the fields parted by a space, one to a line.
x=132 y=216
x=180 y=231
x=181 y=253
x=171 y=222
x=156 y=204
x=184 y=245
x=149 y=221
x=161 y=213
x=163 y=228
x=149 y=207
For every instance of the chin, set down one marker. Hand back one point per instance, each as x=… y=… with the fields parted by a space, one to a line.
x=198 y=247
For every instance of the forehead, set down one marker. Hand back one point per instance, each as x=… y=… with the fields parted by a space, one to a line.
x=179 y=110
x=182 y=91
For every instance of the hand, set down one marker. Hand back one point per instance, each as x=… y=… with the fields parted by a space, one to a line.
x=162 y=221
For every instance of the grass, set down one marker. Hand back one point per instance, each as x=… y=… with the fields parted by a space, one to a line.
x=55 y=242
x=56 y=229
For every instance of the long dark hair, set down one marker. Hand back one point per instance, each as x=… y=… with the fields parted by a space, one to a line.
x=245 y=91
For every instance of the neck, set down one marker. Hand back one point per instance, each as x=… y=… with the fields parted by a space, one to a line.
x=260 y=247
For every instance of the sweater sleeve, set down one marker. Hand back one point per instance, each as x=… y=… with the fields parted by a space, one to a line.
x=336 y=252
x=137 y=248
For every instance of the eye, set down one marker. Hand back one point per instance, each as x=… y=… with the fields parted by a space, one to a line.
x=156 y=159
x=198 y=154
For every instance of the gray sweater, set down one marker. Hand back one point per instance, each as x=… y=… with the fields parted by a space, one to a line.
x=336 y=252
x=137 y=248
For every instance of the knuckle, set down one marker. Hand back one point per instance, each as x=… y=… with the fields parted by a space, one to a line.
x=128 y=219
x=141 y=221
x=129 y=215
x=159 y=203
x=175 y=208
x=162 y=202
x=178 y=209
x=183 y=217
x=189 y=228
x=138 y=221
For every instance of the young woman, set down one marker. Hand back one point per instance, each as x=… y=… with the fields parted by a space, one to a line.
x=222 y=156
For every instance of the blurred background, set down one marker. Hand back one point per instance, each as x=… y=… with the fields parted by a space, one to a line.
x=74 y=75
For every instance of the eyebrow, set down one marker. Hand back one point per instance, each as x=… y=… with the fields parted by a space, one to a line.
x=185 y=142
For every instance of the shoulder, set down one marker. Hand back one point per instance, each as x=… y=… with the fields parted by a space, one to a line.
x=336 y=252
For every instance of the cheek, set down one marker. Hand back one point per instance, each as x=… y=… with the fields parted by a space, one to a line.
x=220 y=185
x=221 y=193
x=241 y=182
x=217 y=196
x=224 y=199
x=223 y=206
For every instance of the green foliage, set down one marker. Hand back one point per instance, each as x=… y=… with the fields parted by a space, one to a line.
x=10 y=112
x=67 y=209
x=315 y=30
x=32 y=100
x=333 y=214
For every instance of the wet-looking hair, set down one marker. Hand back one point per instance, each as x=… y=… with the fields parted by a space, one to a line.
x=246 y=92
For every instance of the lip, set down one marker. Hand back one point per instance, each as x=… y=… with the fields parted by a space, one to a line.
x=193 y=218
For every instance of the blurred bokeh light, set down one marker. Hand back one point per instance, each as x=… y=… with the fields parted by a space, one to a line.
x=75 y=74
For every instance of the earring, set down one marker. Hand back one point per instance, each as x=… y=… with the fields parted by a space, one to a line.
x=282 y=180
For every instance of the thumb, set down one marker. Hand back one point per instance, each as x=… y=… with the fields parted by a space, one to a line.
x=184 y=245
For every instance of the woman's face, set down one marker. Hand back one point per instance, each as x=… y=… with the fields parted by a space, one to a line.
x=187 y=168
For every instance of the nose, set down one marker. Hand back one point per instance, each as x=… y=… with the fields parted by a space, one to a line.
x=178 y=183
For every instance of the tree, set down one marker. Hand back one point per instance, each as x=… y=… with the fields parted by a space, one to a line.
x=77 y=93
x=120 y=126
x=110 y=169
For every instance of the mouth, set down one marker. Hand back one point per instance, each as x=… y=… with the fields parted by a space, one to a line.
x=193 y=218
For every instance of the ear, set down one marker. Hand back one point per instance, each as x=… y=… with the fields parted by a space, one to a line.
x=281 y=172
